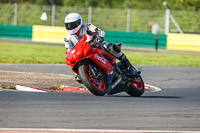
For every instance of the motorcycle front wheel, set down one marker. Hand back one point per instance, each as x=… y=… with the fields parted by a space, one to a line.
x=96 y=86
x=136 y=86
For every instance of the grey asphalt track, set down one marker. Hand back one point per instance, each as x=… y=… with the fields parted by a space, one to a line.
x=176 y=107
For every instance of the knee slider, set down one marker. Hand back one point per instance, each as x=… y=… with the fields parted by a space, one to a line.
x=116 y=48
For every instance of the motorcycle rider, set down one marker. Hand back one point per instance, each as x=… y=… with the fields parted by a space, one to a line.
x=76 y=30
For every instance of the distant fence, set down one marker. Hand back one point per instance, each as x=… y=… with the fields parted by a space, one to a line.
x=55 y=34
x=112 y=19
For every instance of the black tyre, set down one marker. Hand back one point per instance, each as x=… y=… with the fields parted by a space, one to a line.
x=96 y=86
x=136 y=86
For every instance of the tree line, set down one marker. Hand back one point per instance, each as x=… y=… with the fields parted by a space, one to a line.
x=187 y=5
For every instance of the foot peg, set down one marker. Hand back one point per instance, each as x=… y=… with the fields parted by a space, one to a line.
x=138 y=72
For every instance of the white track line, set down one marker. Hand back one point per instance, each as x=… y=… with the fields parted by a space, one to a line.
x=154 y=88
x=24 y=88
x=20 y=72
x=96 y=130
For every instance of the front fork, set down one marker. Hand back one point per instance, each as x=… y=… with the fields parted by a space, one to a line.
x=95 y=72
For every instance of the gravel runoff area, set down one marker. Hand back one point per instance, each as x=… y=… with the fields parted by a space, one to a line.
x=9 y=80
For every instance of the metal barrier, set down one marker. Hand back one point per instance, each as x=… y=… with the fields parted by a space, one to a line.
x=50 y=34
x=183 y=42
x=56 y=34
x=22 y=32
x=137 y=39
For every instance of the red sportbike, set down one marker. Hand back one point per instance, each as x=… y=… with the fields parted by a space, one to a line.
x=99 y=71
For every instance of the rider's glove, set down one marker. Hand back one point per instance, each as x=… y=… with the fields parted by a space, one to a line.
x=100 y=36
x=100 y=39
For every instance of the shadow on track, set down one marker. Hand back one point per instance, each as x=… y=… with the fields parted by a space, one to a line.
x=160 y=97
x=127 y=96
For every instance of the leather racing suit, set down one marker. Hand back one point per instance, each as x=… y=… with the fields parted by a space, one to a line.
x=92 y=33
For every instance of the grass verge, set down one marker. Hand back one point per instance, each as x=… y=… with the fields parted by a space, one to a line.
x=44 y=54
x=7 y=86
x=31 y=54
x=158 y=58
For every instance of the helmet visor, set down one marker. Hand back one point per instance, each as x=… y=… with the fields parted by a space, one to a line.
x=72 y=25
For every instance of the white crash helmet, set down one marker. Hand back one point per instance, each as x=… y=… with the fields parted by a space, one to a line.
x=73 y=22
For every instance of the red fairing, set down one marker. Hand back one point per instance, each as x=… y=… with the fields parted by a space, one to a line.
x=110 y=57
x=102 y=62
x=83 y=50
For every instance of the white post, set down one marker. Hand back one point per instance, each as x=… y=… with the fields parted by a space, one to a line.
x=167 y=17
x=15 y=14
x=90 y=14
x=167 y=21
x=53 y=14
x=176 y=24
x=128 y=20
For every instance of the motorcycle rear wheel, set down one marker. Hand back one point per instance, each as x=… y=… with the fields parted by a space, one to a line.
x=136 y=87
x=96 y=86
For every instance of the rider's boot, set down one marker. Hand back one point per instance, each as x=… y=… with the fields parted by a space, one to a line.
x=115 y=50
x=126 y=63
